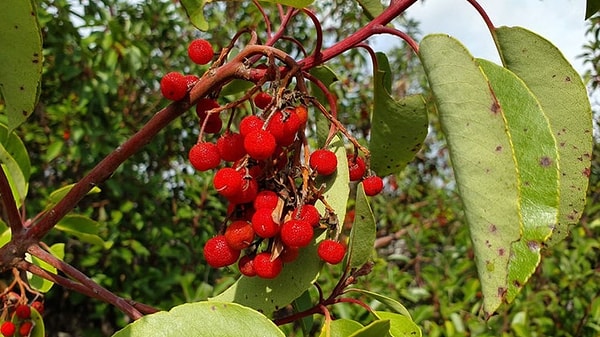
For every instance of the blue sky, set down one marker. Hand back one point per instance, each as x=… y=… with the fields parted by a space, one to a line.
x=559 y=21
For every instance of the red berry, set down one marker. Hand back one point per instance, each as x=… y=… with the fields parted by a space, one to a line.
x=323 y=161
x=23 y=311
x=356 y=167
x=289 y=254
x=266 y=199
x=267 y=268
x=308 y=213
x=205 y=104
x=190 y=80
x=218 y=253
x=249 y=191
x=246 y=266
x=38 y=306
x=260 y=144
x=372 y=185
x=25 y=328
x=262 y=100
x=204 y=156
x=263 y=223
x=239 y=234
x=200 y=51
x=284 y=125
x=228 y=182
x=331 y=251
x=231 y=146
x=8 y=329
x=249 y=124
x=173 y=86
x=213 y=120
x=296 y=233
x=302 y=113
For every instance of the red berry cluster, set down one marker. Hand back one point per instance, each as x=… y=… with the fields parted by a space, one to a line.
x=268 y=177
x=21 y=320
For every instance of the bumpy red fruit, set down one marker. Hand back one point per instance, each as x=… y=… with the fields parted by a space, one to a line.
x=302 y=113
x=323 y=161
x=308 y=213
x=296 y=233
x=249 y=191
x=356 y=167
x=249 y=124
x=239 y=234
x=25 y=328
x=228 y=182
x=212 y=122
x=262 y=100
x=173 y=86
x=218 y=253
x=266 y=199
x=8 y=329
x=200 y=51
x=331 y=251
x=372 y=185
x=23 y=311
x=204 y=156
x=231 y=146
x=260 y=144
x=246 y=266
x=38 y=306
x=284 y=125
x=266 y=268
x=263 y=223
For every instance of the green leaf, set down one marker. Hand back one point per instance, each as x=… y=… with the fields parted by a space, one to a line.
x=363 y=232
x=371 y=8
x=20 y=60
x=195 y=12
x=15 y=163
x=398 y=128
x=5 y=236
x=236 y=86
x=54 y=150
x=391 y=303
x=38 y=329
x=591 y=8
x=269 y=295
x=304 y=302
x=340 y=328
x=483 y=163
x=82 y=227
x=38 y=283
x=400 y=325
x=563 y=97
x=60 y=193
x=205 y=319
x=376 y=328
x=327 y=77
x=293 y=3
x=536 y=155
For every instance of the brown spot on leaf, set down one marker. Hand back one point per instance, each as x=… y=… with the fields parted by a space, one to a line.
x=499 y=148
x=493 y=228
x=545 y=161
x=517 y=284
x=495 y=107
x=567 y=79
x=533 y=246
x=501 y=251
x=586 y=172
x=501 y=291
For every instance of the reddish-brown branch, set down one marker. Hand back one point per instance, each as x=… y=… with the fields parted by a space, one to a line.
x=392 y=31
x=9 y=207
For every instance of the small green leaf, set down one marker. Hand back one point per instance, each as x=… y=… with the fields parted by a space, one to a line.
x=15 y=163
x=371 y=8
x=563 y=97
x=391 y=303
x=483 y=163
x=195 y=12
x=327 y=77
x=60 y=193
x=304 y=302
x=5 y=236
x=54 y=150
x=340 y=328
x=206 y=319
x=591 y=8
x=38 y=283
x=536 y=156
x=398 y=128
x=236 y=86
x=20 y=60
x=400 y=325
x=376 y=328
x=292 y=3
x=82 y=227
x=363 y=232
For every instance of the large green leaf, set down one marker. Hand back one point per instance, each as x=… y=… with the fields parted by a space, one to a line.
x=536 y=156
x=293 y=3
x=268 y=295
x=371 y=8
x=82 y=227
x=20 y=59
x=38 y=283
x=206 y=319
x=400 y=325
x=398 y=127
x=340 y=328
x=327 y=77
x=14 y=160
x=390 y=303
x=563 y=97
x=195 y=12
x=480 y=151
x=375 y=328
x=363 y=232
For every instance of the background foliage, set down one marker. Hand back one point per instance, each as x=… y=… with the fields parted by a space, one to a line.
x=100 y=81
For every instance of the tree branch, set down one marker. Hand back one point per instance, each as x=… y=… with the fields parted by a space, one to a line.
x=9 y=207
